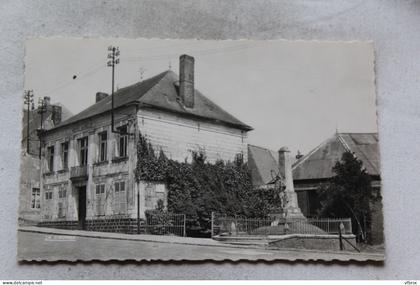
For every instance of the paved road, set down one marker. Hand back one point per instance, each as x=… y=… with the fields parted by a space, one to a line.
x=41 y=246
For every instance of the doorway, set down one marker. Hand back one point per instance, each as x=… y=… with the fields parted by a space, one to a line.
x=81 y=211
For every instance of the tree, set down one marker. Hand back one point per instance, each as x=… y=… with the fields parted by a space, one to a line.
x=349 y=194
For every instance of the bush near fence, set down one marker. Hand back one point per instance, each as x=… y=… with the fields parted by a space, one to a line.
x=200 y=187
x=164 y=223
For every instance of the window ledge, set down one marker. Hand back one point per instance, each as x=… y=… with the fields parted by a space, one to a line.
x=119 y=159
x=99 y=163
x=62 y=170
x=50 y=173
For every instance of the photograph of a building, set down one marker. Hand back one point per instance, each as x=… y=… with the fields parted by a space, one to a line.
x=88 y=168
x=196 y=150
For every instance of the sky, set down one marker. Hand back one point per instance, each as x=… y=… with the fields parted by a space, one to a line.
x=293 y=93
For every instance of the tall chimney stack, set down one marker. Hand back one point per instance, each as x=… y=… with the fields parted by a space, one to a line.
x=186 y=80
x=291 y=209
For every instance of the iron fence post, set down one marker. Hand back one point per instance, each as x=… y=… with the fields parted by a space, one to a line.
x=340 y=237
x=212 y=223
x=185 y=223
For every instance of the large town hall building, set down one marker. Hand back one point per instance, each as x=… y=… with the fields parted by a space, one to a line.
x=87 y=170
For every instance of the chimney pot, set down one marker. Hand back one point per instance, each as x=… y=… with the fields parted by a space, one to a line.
x=47 y=101
x=56 y=114
x=186 y=80
x=100 y=96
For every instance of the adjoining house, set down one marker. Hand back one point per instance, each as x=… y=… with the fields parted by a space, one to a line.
x=30 y=191
x=88 y=170
x=315 y=168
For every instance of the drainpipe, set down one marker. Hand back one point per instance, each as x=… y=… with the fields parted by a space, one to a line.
x=138 y=208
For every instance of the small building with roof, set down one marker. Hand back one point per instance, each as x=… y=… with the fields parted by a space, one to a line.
x=316 y=167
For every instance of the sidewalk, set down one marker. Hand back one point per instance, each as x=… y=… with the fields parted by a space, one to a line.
x=176 y=240
x=142 y=237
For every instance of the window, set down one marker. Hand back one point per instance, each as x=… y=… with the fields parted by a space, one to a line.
x=65 y=154
x=120 y=198
x=62 y=193
x=35 y=198
x=48 y=195
x=100 y=199
x=50 y=158
x=103 y=137
x=83 y=151
x=122 y=141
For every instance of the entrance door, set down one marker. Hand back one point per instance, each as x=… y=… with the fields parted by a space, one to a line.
x=82 y=207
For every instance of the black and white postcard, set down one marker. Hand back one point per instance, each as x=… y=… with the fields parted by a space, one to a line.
x=158 y=149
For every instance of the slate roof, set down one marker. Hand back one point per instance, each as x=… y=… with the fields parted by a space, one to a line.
x=263 y=164
x=318 y=163
x=161 y=92
x=35 y=120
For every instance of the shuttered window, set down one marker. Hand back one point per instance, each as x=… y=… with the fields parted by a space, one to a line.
x=35 y=199
x=100 y=199
x=120 y=198
x=103 y=141
x=62 y=201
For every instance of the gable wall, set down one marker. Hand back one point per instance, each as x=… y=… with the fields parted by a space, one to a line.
x=178 y=136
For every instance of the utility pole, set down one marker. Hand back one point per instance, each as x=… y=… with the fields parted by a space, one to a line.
x=29 y=101
x=41 y=110
x=113 y=59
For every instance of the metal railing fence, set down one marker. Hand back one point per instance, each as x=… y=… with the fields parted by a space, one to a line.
x=165 y=224
x=224 y=225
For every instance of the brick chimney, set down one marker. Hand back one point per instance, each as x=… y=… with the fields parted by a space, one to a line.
x=47 y=101
x=186 y=80
x=56 y=114
x=100 y=96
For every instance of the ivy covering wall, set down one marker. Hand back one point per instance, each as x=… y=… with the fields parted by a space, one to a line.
x=198 y=188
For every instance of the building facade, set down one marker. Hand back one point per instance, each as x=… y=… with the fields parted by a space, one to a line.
x=87 y=169
x=30 y=190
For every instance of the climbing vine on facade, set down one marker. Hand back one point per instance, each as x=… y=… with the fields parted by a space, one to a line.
x=200 y=187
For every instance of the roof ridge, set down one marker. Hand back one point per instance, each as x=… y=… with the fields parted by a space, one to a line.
x=108 y=98
x=306 y=156
x=353 y=152
x=264 y=148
